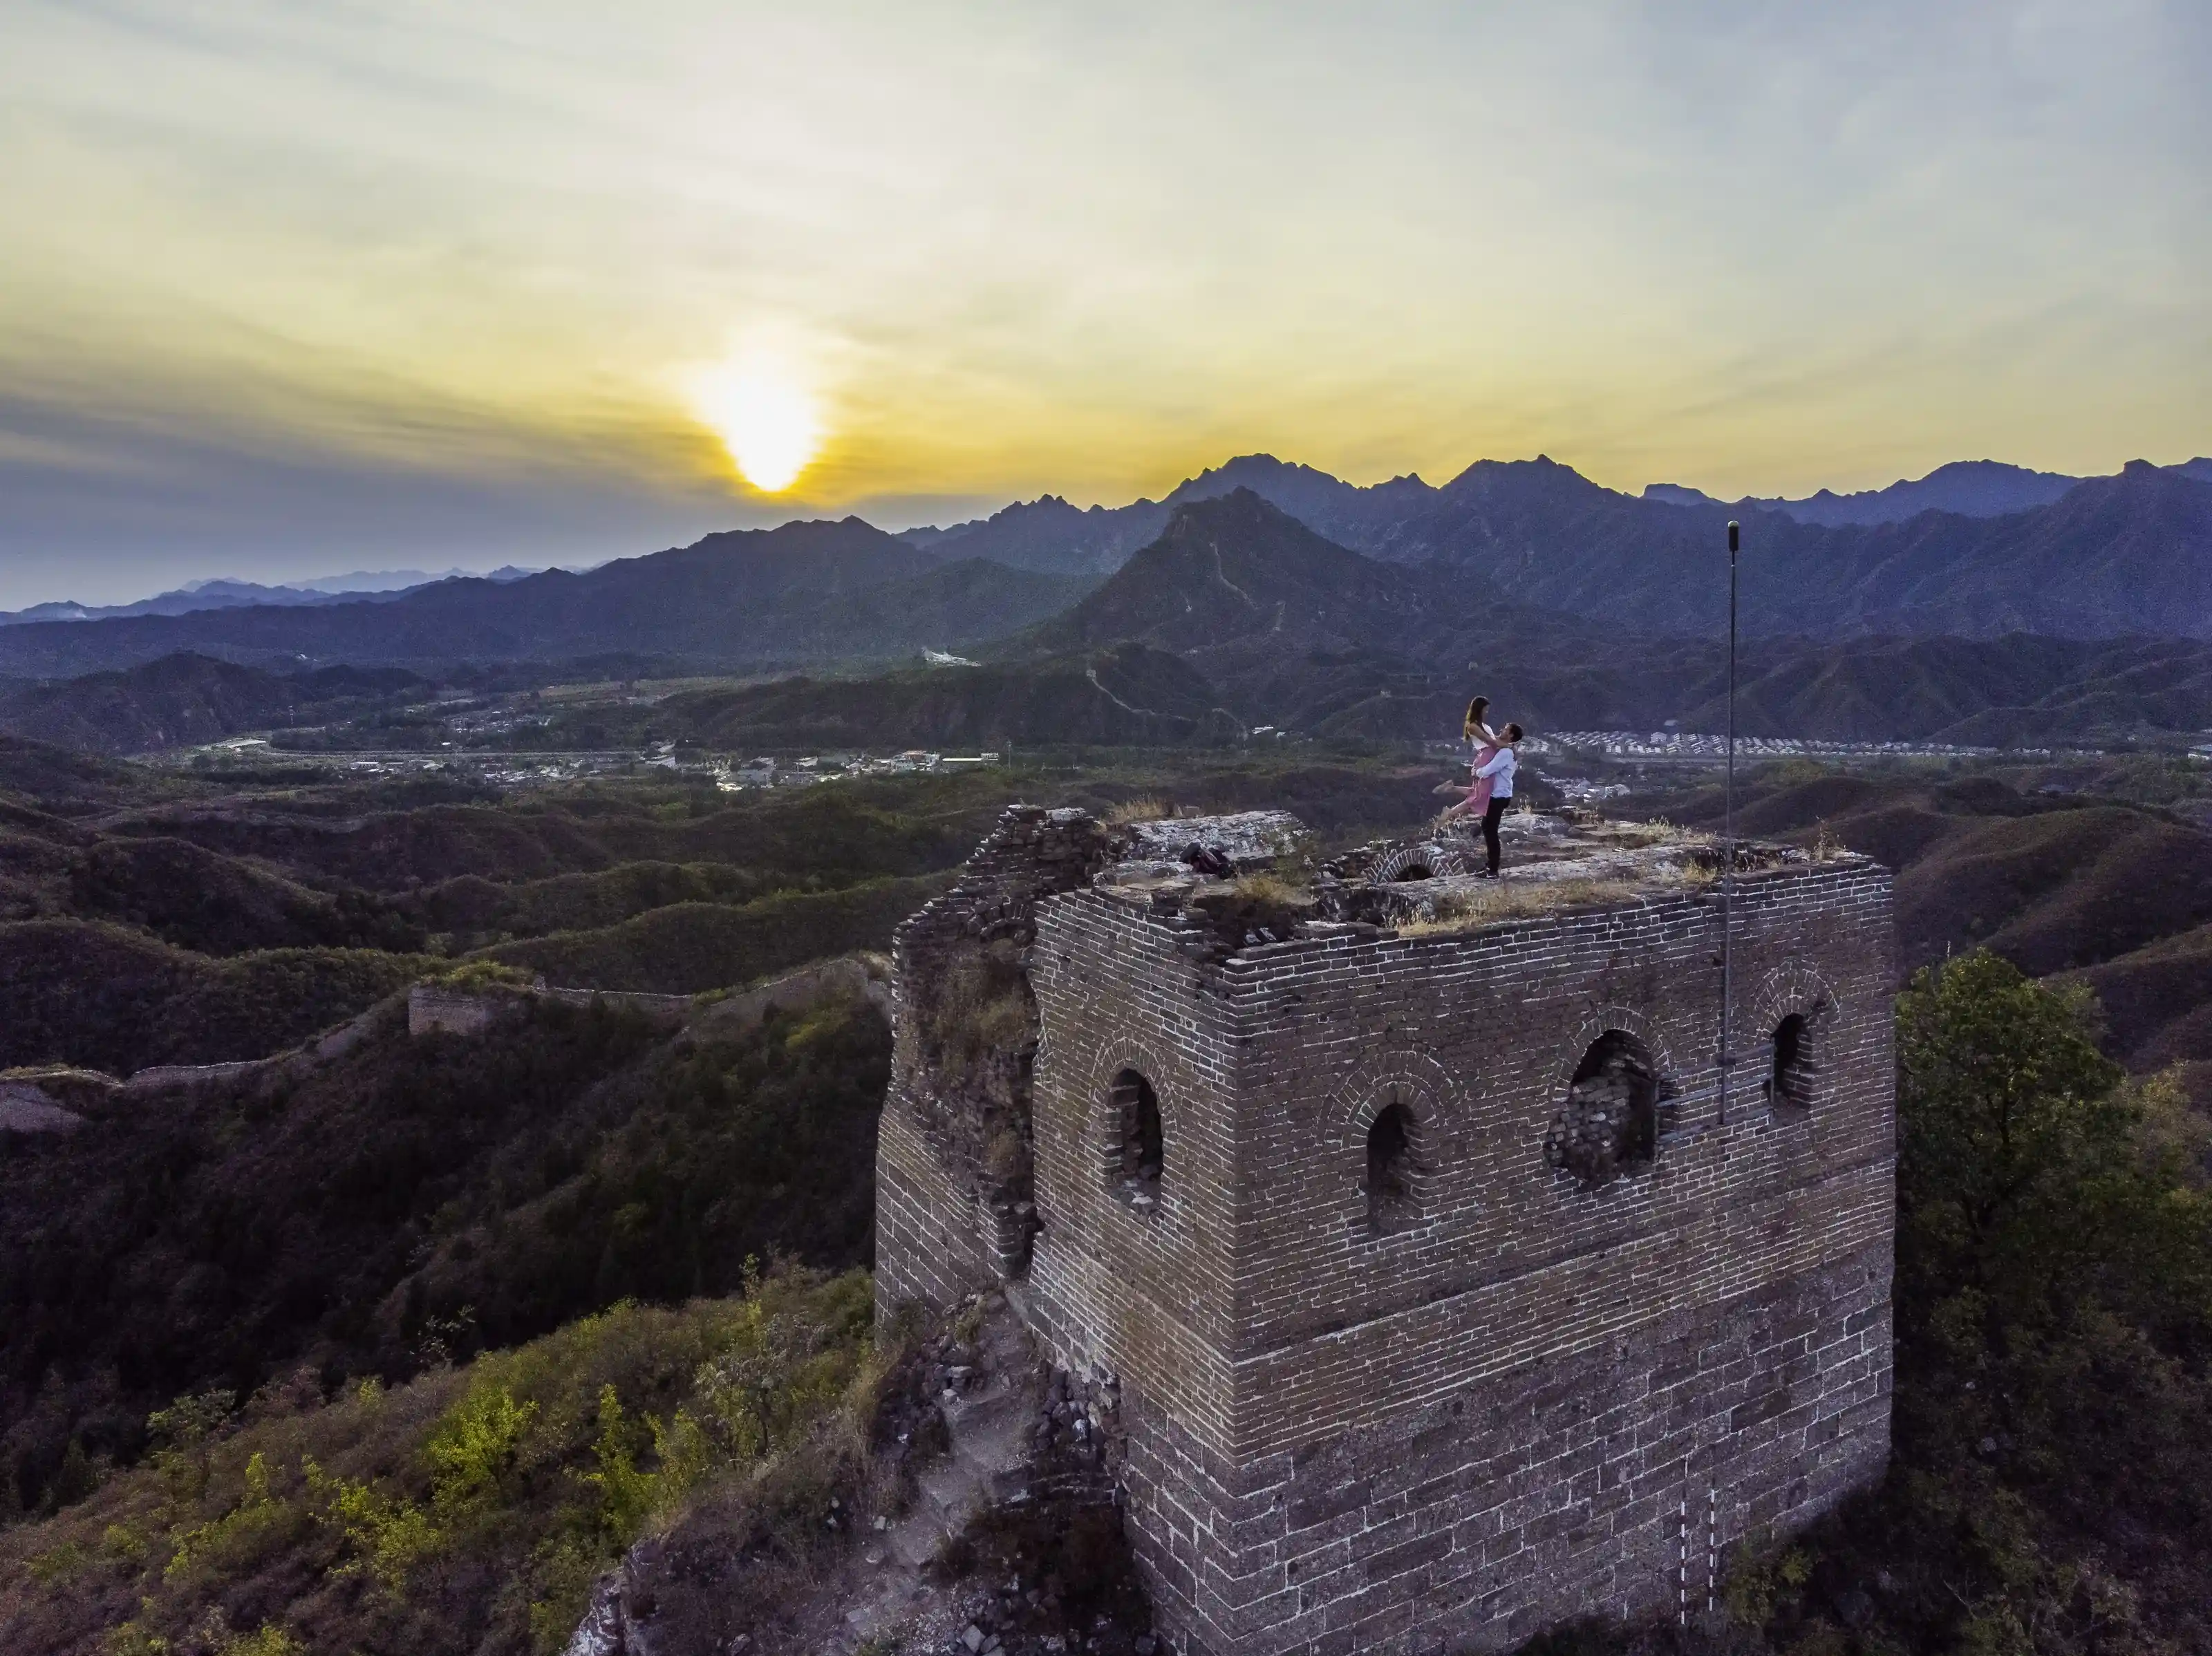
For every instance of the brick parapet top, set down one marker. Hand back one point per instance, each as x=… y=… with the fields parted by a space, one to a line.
x=1257 y=967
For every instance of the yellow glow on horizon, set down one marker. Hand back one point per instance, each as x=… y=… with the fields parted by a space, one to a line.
x=521 y=282
x=767 y=418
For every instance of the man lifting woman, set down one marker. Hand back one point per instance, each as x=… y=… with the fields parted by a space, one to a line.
x=1495 y=758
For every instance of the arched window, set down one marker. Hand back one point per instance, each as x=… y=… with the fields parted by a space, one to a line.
x=1142 y=1148
x=1790 y=1086
x=1609 y=1126
x=1392 y=1204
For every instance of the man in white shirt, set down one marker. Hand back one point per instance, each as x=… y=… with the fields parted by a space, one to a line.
x=1499 y=774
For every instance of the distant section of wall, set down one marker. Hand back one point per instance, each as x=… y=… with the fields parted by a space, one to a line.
x=432 y=1009
x=437 y=1007
x=866 y=977
x=441 y=1008
x=193 y=1074
x=324 y=1047
x=661 y=1009
x=25 y=1107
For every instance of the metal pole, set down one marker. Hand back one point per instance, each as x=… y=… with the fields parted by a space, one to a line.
x=1728 y=865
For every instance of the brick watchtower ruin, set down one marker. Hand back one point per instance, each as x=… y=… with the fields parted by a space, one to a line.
x=1447 y=1298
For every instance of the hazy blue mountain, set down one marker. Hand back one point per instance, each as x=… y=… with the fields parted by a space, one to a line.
x=1352 y=516
x=804 y=593
x=1233 y=569
x=2113 y=556
x=1238 y=606
x=183 y=601
x=1970 y=489
x=225 y=594
x=1050 y=534
x=401 y=581
x=2124 y=555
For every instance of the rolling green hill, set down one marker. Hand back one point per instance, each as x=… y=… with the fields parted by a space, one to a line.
x=412 y=1199
x=2116 y=894
x=686 y=947
x=108 y=997
x=183 y=698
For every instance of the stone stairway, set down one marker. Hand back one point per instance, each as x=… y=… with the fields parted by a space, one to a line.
x=992 y=1400
x=992 y=1428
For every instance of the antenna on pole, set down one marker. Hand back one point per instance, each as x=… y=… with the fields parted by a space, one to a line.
x=1728 y=851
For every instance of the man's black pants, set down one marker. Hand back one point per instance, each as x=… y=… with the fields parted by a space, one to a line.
x=1490 y=820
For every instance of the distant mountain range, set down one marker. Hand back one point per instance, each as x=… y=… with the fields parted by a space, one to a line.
x=1238 y=615
x=1297 y=632
x=1306 y=601
x=804 y=593
x=1968 y=488
x=2105 y=557
x=1048 y=533
x=241 y=594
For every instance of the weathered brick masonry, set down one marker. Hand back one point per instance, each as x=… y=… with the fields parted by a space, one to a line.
x=944 y=1226
x=1503 y=1398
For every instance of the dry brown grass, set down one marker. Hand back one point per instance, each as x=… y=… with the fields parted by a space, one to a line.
x=981 y=1007
x=1145 y=808
x=1509 y=899
x=1656 y=832
x=1269 y=890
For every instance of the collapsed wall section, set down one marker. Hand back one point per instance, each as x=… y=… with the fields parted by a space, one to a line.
x=954 y=1207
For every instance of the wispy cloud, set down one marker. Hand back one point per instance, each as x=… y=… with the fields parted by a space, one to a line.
x=308 y=279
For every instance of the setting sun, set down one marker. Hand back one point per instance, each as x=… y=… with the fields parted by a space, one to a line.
x=766 y=417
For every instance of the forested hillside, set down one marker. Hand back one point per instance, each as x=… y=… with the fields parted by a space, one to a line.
x=410 y=1197
x=2113 y=894
x=300 y=1253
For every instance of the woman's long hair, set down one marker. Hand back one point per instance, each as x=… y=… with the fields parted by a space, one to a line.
x=1475 y=709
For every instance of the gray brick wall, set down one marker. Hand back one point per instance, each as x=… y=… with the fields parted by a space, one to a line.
x=1494 y=1414
x=939 y=1236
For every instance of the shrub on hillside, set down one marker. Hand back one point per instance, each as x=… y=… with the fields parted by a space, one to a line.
x=2051 y=1489
x=472 y=1509
x=411 y=1202
x=760 y=1146
x=216 y=1235
x=105 y=997
x=196 y=899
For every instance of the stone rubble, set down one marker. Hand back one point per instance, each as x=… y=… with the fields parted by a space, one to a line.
x=1609 y=1125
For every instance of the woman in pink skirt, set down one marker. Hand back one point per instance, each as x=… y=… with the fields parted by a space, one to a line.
x=1483 y=744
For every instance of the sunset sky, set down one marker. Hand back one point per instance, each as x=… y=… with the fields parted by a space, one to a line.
x=290 y=289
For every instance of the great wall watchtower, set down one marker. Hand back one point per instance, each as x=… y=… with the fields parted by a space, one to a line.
x=1447 y=1300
